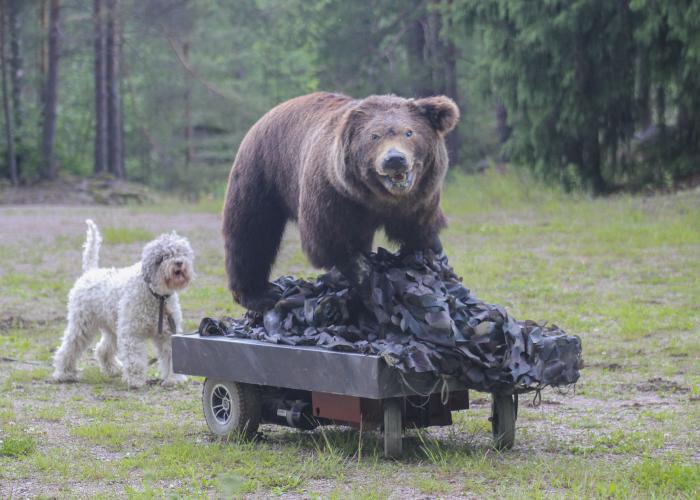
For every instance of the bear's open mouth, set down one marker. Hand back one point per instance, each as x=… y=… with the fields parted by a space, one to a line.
x=397 y=182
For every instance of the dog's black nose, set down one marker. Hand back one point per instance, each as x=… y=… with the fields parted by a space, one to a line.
x=395 y=161
x=178 y=263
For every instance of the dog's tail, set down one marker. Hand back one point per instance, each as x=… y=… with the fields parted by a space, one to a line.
x=91 y=249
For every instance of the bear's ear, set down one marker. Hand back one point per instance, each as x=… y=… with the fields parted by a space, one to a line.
x=349 y=123
x=441 y=112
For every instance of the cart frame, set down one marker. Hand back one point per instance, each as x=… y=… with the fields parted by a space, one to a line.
x=249 y=382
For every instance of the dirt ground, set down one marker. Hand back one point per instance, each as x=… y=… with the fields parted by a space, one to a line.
x=620 y=272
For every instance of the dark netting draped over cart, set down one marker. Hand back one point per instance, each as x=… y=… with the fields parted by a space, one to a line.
x=414 y=312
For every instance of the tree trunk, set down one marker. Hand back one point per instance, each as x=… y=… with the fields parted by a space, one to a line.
x=189 y=153
x=435 y=48
x=644 y=87
x=415 y=49
x=49 y=170
x=101 y=161
x=115 y=151
x=9 y=133
x=503 y=130
x=591 y=161
x=451 y=87
x=42 y=58
x=661 y=106
x=16 y=75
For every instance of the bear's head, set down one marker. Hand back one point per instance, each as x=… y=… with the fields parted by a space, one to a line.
x=394 y=146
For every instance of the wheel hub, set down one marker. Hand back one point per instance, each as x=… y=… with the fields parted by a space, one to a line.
x=221 y=404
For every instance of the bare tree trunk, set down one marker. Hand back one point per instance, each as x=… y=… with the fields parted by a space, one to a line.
x=451 y=87
x=9 y=133
x=503 y=130
x=16 y=75
x=115 y=151
x=49 y=168
x=101 y=160
x=436 y=49
x=42 y=58
x=416 y=52
x=644 y=79
x=189 y=153
x=661 y=106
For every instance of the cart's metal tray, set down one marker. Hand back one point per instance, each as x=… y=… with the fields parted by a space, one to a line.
x=294 y=367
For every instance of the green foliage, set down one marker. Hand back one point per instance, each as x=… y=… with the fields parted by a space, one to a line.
x=598 y=95
x=576 y=79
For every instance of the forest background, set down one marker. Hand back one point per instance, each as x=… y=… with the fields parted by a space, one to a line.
x=595 y=95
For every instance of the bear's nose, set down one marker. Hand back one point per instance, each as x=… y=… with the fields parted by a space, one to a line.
x=395 y=161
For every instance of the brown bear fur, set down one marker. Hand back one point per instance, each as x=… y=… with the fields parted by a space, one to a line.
x=319 y=159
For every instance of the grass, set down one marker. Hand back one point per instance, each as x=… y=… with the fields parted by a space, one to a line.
x=125 y=235
x=16 y=445
x=620 y=272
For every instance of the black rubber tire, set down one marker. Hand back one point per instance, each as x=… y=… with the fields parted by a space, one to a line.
x=231 y=409
x=504 y=413
x=393 y=428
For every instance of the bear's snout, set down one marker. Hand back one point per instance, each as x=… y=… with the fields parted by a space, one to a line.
x=394 y=162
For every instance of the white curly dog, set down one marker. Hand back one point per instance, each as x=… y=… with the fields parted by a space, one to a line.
x=128 y=306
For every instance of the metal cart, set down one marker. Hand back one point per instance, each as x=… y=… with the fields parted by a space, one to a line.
x=249 y=382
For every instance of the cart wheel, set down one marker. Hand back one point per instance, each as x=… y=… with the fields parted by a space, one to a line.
x=504 y=412
x=393 y=428
x=231 y=409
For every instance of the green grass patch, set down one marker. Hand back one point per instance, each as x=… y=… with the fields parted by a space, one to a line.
x=430 y=485
x=125 y=235
x=14 y=344
x=664 y=479
x=53 y=413
x=16 y=444
x=105 y=433
x=629 y=442
x=33 y=285
x=21 y=377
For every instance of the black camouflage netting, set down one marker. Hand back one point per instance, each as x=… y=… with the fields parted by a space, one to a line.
x=419 y=317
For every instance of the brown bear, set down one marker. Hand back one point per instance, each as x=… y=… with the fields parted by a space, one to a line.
x=342 y=168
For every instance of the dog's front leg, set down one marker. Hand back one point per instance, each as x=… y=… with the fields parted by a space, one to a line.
x=165 y=359
x=132 y=354
x=164 y=344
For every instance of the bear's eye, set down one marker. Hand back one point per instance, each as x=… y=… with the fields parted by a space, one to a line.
x=375 y=137
x=409 y=133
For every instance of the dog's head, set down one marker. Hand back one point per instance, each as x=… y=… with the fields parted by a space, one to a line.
x=167 y=263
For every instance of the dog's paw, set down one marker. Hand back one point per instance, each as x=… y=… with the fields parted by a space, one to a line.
x=134 y=382
x=112 y=369
x=63 y=377
x=173 y=380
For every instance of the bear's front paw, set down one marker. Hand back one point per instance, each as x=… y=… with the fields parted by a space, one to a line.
x=260 y=301
x=173 y=380
x=358 y=271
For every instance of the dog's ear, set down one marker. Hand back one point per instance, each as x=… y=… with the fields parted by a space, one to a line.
x=150 y=260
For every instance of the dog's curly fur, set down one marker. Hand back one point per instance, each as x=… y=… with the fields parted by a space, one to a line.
x=123 y=305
